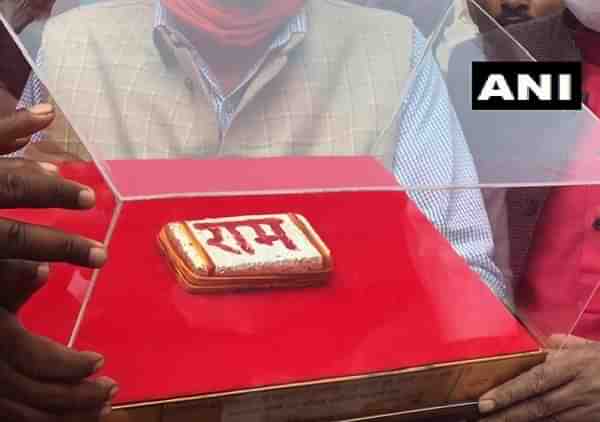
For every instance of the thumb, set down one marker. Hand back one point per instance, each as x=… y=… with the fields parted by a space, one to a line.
x=22 y=124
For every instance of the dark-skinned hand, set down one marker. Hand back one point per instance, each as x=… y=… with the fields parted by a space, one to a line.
x=40 y=380
x=566 y=388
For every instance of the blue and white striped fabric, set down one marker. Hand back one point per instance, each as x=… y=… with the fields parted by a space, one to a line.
x=225 y=105
x=427 y=128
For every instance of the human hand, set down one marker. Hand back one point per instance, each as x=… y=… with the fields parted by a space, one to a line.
x=48 y=151
x=566 y=388
x=41 y=380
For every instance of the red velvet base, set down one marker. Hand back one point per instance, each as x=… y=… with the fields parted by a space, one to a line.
x=399 y=297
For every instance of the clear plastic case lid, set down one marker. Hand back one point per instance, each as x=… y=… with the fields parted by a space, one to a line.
x=341 y=112
x=147 y=96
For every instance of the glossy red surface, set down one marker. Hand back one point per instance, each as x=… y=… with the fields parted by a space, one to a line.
x=399 y=297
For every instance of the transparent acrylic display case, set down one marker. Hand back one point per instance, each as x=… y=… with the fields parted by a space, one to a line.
x=359 y=122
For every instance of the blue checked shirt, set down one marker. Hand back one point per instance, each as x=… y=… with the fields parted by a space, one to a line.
x=428 y=132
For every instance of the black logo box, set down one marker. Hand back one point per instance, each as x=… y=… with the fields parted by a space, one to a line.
x=481 y=71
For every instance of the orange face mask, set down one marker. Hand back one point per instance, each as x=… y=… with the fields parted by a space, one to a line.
x=237 y=27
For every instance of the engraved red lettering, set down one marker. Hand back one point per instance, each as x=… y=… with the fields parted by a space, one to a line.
x=262 y=237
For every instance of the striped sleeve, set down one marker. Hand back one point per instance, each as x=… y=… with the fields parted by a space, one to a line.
x=432 y=151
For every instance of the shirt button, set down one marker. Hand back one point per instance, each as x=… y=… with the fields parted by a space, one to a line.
x=596 y=224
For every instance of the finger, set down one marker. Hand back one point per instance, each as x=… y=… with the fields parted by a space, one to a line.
x=559 y=341
x=535 y=382
x=22 y=124
x=52 y=361
x=16 y=412
x=590 y=413
x=48 y=154
x=43 y=244
x=540 y=407
x=28 y=166
x=55 y=397
x=41 y=358
x=35 y=190
x=19 y=281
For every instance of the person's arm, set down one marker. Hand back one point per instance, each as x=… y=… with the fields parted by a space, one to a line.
x=432 y=151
